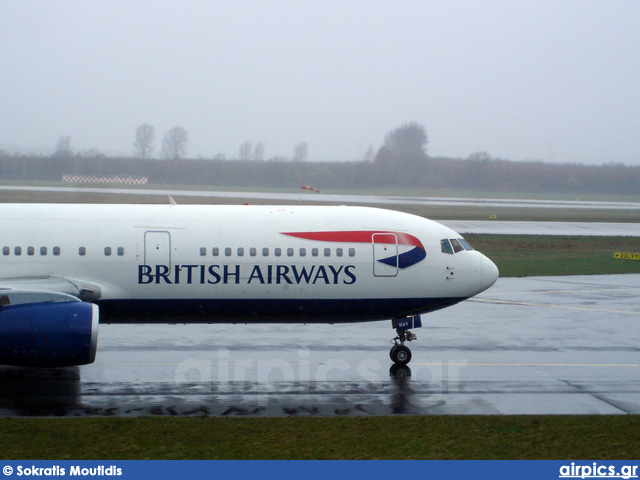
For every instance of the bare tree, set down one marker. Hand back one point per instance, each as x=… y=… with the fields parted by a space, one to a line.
x=403 y=160
x=63 y=147
x=245 y=150
x=479 y=156
x=369 y=154
x=300 y=152
x=174 y=144
x=408 y=140
x=258 y=151
x=145 y=136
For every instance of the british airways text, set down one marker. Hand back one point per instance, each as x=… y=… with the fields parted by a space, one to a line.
x=236 y=274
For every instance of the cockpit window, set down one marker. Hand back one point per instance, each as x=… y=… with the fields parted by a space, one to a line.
x=446 y=246
x=456 y=245
x=465 y=244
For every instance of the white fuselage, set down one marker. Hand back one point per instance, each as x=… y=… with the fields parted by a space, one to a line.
x=200 y=263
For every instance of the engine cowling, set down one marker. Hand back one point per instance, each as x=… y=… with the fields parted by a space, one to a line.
x=48 y=334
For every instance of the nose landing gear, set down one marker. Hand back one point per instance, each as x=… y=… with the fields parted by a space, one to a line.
x=400 y=353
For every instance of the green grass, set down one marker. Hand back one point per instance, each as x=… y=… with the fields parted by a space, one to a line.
x=427 y=437
x=518 y=214
x=527 y=255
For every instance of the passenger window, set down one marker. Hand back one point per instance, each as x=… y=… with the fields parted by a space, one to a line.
x=56 y=251
x=6 y=250
x=289 y=252
x=120 y=251
x=43 y=251
x=303 y=252
x=227 y=252
x=338 y=252
x=241 y=252
x=82 y=251
x=17 y=251
x=107 y=251
x=314 y=252
x=277 y=252
x=31 y=251
x=253 y=252
x=215 y=251
x=352 y=252
x=265 y=252
x=327 y=252
x=203 y=251
x=446 y=246
x=456 y=245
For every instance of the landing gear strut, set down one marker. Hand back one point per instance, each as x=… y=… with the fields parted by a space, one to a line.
x=400 y=353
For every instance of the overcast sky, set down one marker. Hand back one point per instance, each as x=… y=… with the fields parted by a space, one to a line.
x=549 y=80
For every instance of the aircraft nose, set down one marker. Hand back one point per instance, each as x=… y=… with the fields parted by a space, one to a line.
x=489 y=273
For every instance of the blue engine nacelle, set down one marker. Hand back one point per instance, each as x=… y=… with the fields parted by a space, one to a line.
x=48 y=334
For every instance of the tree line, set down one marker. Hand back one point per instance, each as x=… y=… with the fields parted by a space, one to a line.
x=485 y=175
x=401 y=161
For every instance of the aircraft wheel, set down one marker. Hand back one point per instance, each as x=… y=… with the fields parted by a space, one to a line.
x=392 y=352
x=400 y=355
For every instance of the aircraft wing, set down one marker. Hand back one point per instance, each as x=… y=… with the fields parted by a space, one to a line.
x=84 y=291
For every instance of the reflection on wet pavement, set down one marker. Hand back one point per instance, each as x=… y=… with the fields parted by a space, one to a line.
x=526 y=346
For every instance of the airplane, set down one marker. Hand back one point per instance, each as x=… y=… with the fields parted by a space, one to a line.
x=65 y=268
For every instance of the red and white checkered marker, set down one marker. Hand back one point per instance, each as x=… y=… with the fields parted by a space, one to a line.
x=121 y=179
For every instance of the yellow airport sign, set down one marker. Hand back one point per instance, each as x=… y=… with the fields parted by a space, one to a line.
x=626 y=256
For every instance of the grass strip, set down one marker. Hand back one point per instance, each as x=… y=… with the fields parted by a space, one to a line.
x=406 y=437
x=528 y=255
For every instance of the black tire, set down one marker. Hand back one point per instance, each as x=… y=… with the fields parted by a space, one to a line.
x=392 y=352
x=400 y=355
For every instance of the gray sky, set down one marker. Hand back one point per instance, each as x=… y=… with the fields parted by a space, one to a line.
x=550 y=80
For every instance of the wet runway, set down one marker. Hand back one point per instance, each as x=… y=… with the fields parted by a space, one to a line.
x=347 y=199
x=460 y=226
x=556 y=345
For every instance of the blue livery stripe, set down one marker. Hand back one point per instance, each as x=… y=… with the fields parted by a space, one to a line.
x=406 y=259
x=266 y=310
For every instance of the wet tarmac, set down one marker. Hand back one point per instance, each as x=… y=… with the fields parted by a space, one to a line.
x=538 y=345
x=347 y=199
x=460 y=226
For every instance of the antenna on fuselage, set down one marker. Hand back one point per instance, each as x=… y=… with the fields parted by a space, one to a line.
x=172 y=200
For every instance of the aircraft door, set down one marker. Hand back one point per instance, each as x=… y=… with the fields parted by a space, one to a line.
x=157 y=248
x=385 y=254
